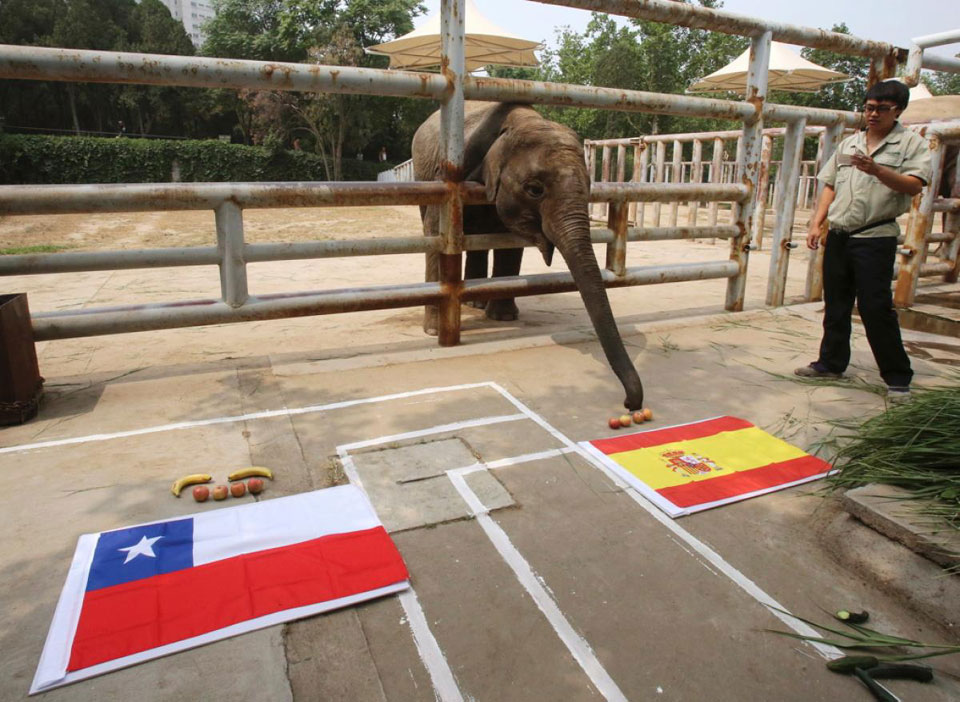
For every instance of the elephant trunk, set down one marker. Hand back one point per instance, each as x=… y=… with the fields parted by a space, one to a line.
x=571 y=234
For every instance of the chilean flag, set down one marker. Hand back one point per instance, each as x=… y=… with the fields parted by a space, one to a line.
x=142 y=592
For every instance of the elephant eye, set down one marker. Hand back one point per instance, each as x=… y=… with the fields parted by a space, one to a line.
x=534 y=189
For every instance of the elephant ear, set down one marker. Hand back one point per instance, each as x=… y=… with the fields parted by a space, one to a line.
x=493 y=162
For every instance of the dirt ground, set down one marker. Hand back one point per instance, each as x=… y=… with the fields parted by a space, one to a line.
x=134 y=230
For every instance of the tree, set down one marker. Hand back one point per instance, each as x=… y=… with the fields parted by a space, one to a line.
x=152 y=30
x=108 y=25
x=645 y=56
x=329 y=32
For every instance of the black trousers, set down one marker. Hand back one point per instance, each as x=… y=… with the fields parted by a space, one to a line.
x=862 y=269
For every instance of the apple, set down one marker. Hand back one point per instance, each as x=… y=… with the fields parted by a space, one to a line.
x=220 y=492
x=625 y=420
x=238 y=489
x=638 y=417
x=614 y=423
x=647 y=413
x=201 y=493
x=255 y=486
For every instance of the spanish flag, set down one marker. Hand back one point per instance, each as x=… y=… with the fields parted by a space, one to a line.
x=692 y=467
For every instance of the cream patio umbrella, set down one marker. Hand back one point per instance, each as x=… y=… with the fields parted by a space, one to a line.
x=485 y=44
x=925 y=107
x=789 y=71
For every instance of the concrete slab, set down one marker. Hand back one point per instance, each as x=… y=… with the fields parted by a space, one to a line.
x=650 y=610
x=409 y=488
x=886 y=509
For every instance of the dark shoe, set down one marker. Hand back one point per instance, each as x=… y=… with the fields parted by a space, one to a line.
x=816 y=370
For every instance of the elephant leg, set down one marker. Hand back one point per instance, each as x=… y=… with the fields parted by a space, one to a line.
x=431 y=227
x=506 y=262
x=476 y=267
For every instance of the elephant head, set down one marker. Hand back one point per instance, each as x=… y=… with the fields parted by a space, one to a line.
x=534 y=172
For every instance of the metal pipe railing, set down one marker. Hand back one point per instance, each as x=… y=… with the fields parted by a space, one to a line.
x=232 y=254
x=74 y=199
x=697 y=17
x=913 y=254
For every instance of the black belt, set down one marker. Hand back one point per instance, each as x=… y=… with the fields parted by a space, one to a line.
x=865 y=227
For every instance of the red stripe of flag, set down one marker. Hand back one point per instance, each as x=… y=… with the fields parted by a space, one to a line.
x=744 y=482
x=125 y=619
x=646 y=439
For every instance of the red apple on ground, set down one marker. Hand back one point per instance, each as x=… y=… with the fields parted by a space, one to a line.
x=238 y=489
x=201 y=493
x=638 y=417
x=614 y=422
x=255 y=486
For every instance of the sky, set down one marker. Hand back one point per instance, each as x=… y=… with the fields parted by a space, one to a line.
x=893 y=21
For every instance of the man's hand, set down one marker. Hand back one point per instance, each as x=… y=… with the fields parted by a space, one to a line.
x=813 y=238
x=864 y=163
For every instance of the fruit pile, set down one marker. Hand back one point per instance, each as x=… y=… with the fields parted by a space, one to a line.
x=236 y=488
x=625 y=420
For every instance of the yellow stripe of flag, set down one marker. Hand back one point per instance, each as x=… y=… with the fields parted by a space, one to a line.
x=731 y=451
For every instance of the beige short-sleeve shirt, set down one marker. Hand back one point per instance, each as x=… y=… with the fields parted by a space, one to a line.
x=861 y=198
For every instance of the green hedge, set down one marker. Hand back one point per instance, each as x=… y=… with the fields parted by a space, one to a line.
x=37 y=159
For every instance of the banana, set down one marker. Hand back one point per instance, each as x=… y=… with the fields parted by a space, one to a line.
x=258 y=471
x=193 y=479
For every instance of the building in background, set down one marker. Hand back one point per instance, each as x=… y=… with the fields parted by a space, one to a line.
x=193 y=13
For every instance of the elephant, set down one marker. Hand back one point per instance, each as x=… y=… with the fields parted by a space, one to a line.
x=533 y=170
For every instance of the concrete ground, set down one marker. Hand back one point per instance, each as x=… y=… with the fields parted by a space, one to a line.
x=536 y=578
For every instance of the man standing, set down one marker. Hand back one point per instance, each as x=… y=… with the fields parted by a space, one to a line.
x=867 y=183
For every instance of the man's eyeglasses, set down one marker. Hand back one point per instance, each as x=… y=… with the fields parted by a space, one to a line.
x=879 y=109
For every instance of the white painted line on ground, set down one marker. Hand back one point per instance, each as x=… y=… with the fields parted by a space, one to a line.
x=439 y=429
x=236 y=418
x=711 y=556
x=444 y=684
x=528 y=457
x=532 y=583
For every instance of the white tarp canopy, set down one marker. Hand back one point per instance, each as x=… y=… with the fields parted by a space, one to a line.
x=925 y=107
x=789 y=71
x=485 y=44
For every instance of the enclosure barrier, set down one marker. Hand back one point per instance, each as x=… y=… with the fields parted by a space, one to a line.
x=450 y=87
x=614 y=154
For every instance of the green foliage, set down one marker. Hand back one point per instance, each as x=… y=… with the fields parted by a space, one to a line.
x=40 y=248
x=33 y=159
x=107 y=25
x=942 y=83
x=328 y=32
x=645 y=56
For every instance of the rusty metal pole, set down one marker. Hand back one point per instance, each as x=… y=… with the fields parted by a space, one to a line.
x=785 y=208
x=914 y=249
x=676 y=176
x=453 y=65
x=644 y=177
x=590 y=156
x=748 y=170
x=760 y=216
x=952 y=226
x=617 y=249
x=829 y=142
x=635 y=177
x=658 y=178
x=696 y=176
x=716 y=176
x=882 y=68
x=605 y=175
x=233 y=268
